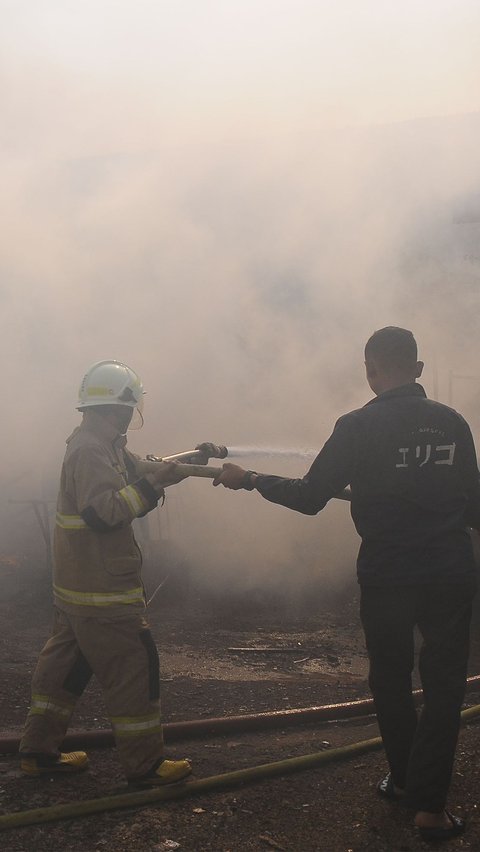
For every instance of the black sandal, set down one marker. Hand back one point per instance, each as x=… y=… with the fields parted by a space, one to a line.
x=438 y=834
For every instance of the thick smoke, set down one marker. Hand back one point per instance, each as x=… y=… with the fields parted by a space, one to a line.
x=239 y=267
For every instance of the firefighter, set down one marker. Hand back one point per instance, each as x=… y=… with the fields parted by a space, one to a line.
x=412 y=467
x=99 y=621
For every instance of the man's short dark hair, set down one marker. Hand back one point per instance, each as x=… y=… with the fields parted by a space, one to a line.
x=392 y=348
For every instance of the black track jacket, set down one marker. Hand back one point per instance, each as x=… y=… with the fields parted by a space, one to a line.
x=412 y=468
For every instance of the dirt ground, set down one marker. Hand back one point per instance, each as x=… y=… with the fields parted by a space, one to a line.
x=315 y=657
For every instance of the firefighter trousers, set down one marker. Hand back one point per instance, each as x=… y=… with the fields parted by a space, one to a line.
x=121 y=653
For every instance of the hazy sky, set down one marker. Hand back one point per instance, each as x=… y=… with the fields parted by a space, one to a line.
x=231 y=197
x=251 y=67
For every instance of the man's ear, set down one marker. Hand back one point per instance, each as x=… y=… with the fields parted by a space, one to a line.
x=419 y=369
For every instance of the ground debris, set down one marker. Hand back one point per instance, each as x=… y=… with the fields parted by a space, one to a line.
x=256 y=649
x=265 y=838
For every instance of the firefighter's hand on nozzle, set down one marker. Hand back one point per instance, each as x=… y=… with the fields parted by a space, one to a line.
x=232 y=476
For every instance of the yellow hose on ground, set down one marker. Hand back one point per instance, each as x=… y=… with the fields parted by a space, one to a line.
x=190 y=788
x=142 y=798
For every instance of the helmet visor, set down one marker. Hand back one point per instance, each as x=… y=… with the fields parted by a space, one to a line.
x=136 y=422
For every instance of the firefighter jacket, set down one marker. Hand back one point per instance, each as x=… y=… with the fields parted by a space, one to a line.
x=412 y=468
x=97 y=562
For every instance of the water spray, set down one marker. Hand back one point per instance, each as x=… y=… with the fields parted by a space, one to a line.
x=274 y=452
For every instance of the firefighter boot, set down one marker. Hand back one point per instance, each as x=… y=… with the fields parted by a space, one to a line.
x=48 y=764
x=164 y=772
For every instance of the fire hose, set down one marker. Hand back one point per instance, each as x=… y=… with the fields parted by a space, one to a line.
x=194 y=463
x=183 y=790
x=227 y=780
x=213 y=472
x=200 y=455
x=216 y=726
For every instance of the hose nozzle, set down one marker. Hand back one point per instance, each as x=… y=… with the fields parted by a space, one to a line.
x=200 y=455
x=212 y=451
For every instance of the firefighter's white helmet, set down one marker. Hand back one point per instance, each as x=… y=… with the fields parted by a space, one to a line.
x=111 y=383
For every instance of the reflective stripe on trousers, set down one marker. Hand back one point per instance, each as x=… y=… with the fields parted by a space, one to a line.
x=136 y=726
x=45 y=704
x=131 y=596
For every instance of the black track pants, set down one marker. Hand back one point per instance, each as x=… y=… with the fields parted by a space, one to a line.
x=420 y=751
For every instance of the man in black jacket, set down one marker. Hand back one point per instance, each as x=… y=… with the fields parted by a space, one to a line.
x=412 y=469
